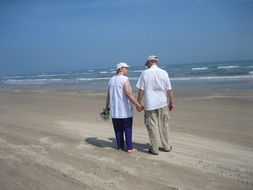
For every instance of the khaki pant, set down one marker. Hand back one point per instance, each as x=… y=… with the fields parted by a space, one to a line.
x=157 y=123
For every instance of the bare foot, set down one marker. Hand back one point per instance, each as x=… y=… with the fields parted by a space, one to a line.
x=132 y=150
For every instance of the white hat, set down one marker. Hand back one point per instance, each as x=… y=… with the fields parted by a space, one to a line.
x=122 y=64
x=151 y=58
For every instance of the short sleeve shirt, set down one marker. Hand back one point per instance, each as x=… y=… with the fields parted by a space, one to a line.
x=120 y=105
x=155 y=83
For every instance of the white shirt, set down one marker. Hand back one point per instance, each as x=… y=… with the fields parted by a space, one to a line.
x=120 y=105
x=155 y=83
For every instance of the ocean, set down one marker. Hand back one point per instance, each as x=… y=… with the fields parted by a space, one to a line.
x=229 y=75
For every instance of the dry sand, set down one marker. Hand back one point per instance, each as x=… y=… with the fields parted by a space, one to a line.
x=54 y=139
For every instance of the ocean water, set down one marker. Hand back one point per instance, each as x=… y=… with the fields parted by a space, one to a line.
x=233 y=75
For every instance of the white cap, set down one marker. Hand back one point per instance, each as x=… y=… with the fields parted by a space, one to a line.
x=122 y=64
x=151 y=58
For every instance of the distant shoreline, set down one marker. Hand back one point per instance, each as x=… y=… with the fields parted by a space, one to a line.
x=233 y=75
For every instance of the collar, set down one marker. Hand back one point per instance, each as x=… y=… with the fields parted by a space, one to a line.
x=154 y=66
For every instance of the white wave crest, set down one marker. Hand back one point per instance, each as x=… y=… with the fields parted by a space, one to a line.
x=228 y=67
x=241 y=77
x=137 y=71
x=199 y=68
x=92 y=79
x=103 y=72
x=31 y=81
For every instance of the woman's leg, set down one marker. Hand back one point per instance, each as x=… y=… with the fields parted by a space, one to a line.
x=118 y=129
x=128 y=122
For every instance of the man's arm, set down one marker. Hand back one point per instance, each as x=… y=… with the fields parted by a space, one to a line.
x=171 y=101
x=140 y=95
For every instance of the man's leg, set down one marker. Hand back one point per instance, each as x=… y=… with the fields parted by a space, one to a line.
x=164 y=127
x=151 y=122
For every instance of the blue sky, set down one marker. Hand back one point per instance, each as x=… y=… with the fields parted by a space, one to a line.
x=54 y=35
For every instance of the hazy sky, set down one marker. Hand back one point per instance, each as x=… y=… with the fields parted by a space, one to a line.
x=58 y=35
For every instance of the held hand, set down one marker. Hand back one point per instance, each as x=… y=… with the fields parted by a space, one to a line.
x=171 y=106
x=139 y=107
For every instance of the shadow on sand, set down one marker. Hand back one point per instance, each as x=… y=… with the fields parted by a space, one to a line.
x=111 y=143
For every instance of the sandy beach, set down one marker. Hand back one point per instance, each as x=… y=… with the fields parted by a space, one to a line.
x=54 y=139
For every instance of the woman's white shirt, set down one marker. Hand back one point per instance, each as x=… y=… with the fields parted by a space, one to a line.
x=120 y=105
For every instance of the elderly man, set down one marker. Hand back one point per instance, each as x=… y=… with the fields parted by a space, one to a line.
x=154 y=85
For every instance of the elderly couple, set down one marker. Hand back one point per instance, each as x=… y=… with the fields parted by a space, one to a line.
x=154 y=85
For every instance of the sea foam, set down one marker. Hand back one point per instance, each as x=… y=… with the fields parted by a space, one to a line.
x=199 y=68
x=228 y=67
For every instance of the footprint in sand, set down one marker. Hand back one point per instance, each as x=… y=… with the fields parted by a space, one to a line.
x=50 y=143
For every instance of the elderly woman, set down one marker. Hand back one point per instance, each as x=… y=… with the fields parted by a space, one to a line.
x=120 y=100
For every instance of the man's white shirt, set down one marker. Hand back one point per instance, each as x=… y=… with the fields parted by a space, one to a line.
x=155 y=83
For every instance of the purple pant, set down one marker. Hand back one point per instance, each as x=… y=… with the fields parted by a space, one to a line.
x=121 y=127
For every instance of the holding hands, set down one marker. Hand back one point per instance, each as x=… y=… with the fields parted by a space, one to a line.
x=139 y=107
x=171 y=106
